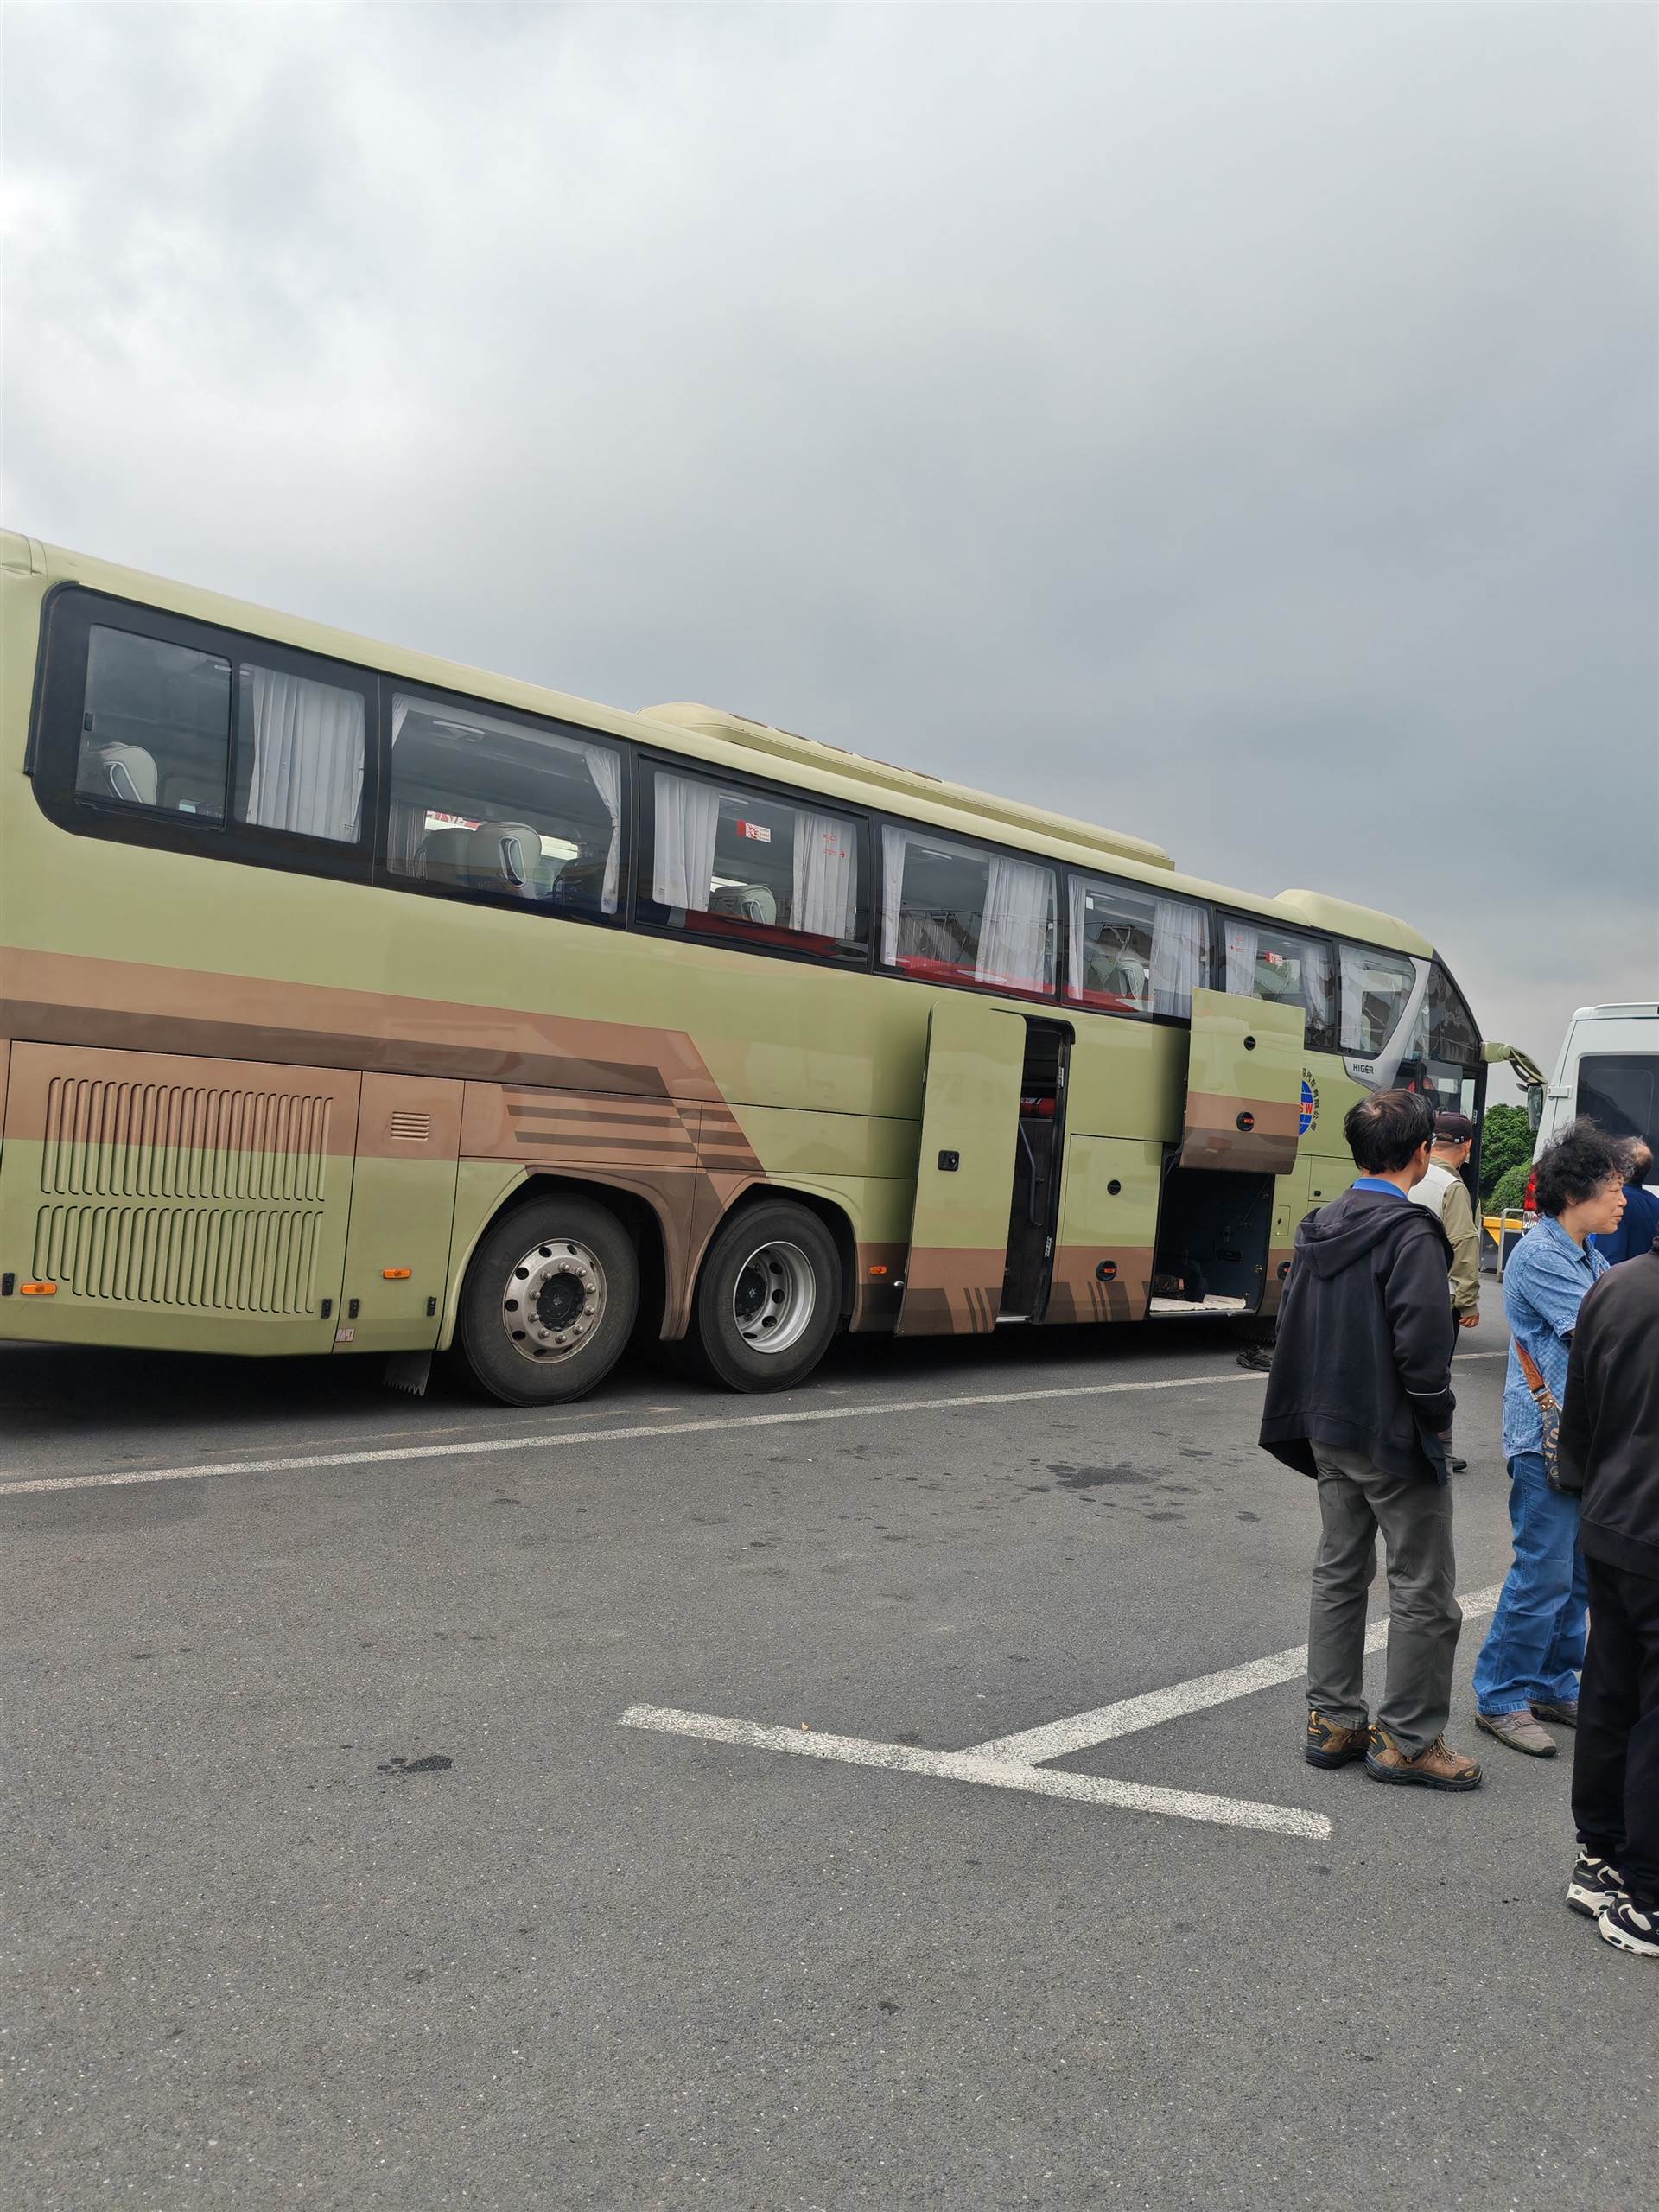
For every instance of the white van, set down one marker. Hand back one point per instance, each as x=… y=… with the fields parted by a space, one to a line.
x=1608 y=1069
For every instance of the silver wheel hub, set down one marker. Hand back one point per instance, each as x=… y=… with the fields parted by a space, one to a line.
x=554 y=1300
x=774 y=1297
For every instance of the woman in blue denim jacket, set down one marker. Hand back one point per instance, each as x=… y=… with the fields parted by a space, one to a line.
x=1529 y=1666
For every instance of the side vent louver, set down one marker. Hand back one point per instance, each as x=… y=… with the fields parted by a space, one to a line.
x=168 y=1195
x=409 y=1128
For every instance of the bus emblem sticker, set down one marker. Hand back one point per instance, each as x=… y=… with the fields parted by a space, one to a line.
x=1310 y=1112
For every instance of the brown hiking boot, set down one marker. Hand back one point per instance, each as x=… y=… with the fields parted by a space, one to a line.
x=1329 y=1743
x=1520 y=1731
x=1438 y=1768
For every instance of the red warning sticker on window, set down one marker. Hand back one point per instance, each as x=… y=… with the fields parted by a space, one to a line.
x=757 y=831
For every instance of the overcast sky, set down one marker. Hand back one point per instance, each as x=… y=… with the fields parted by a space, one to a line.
x=1235 y=424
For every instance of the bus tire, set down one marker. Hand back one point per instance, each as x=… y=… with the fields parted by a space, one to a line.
x=768 y=1298
x=548 y=1302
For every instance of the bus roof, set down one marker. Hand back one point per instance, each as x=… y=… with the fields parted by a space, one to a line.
x=732 y=741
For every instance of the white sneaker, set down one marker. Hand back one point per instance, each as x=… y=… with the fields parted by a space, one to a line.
x=1596 y=1883
x=1628 y=1928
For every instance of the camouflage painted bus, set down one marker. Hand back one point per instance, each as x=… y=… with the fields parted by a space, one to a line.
x=353 y=1001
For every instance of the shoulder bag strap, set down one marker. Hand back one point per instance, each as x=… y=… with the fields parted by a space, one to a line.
x=1540 y=1390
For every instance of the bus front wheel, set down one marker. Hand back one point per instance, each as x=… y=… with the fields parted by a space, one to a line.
x=769 y=1297
x=550 y=1301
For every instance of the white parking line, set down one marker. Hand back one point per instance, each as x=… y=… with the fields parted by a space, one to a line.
x=973 y=1766
x=306 y=1463
x=1016 y=1762
x=1131 y=1714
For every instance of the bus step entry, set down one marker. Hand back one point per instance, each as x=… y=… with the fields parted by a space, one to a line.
x=1040 y=1136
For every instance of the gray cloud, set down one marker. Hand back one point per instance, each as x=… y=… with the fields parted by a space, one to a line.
x=1233 y=424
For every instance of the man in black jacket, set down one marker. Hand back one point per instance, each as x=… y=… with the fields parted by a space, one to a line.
x=1609 y=1451
x=1359 y=1397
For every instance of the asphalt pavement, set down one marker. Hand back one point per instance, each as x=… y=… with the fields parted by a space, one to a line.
x=334 y=1876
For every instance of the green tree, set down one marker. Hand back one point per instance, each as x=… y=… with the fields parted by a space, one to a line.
x=1510 y=1187
x=1505 y=1143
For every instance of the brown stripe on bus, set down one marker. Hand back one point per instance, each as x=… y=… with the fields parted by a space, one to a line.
x=65 y=998
x=952 y=1292
x=1076 y=1293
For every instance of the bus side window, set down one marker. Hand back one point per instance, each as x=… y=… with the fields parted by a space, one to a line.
x=1283 y=968
x=753 y=868
x=957 y=914
x=486 y=808
x=1376 y=988
x=155 y=725
x=1133 y=952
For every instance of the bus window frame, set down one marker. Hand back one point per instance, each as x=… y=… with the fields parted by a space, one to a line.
x=648 y=760
x=386 y=878
x=69 y=615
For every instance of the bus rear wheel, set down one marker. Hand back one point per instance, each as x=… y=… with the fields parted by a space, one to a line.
x=769 y=1297
x=550 y=1301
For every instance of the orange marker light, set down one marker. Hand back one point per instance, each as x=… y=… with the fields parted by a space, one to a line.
x=878 y=1271
x=395 y=1275
x=38 y=1289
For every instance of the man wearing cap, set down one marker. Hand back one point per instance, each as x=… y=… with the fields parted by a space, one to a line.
x=1444 y=1191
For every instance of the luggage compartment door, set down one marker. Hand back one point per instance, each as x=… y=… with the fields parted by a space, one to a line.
x=180 y=1203
x=1243 y=1084
x=964 y=1176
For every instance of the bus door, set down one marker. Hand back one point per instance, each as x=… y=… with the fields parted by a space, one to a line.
x=1239 y=1133
x=177 y=1202
x=966 y=1171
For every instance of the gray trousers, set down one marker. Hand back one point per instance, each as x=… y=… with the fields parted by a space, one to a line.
x=1355 y=1500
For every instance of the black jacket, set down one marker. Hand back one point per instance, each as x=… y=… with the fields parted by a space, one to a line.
x=1363 y=1355
x=1610 y=1417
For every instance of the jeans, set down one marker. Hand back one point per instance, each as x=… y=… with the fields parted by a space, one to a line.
x=1616 y=1757
x=1534 y=1647
x=1415 y=1515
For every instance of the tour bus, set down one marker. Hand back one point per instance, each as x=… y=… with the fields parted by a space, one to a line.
x=354 y=1002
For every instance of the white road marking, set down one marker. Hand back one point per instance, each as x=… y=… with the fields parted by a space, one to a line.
x=972 y=1766
x=1015 y=1762
x=1131 y=1714
x=306 y=1463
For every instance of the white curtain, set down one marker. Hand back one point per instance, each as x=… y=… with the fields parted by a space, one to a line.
x=1356 y=1036
x=825 y=895
x=1077 y=952
x=1013 y=938
x=893 y=893
x=1179 y=955
x=1243 y=940
x=307 y=755
x=682 y=842
x=605 y=767
x=1317 y=986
